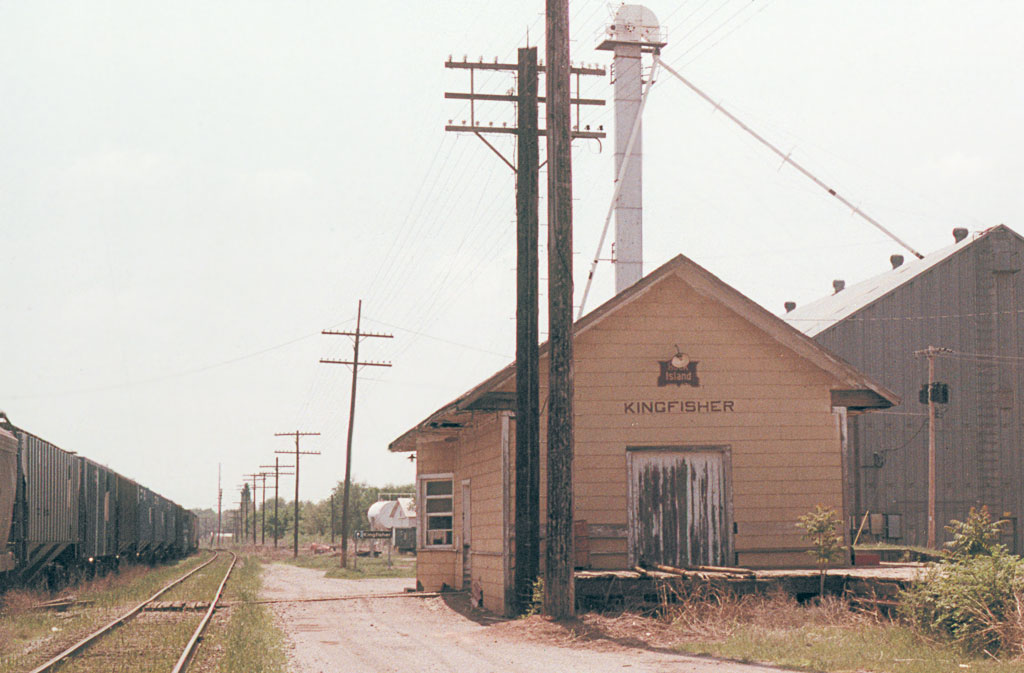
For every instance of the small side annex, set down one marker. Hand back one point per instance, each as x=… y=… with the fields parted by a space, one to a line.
x=704 y=427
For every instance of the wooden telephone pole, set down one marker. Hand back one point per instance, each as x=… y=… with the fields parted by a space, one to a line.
x=297 y=434
x=256 y=476
x=932 y=397
x=277 y=476
x=245 y=513
x=357 y=336
x=527 y=170
x=220 y=497
x=559 y=587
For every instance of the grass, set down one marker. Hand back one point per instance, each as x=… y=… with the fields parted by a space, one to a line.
x=28 y=637
x=367 y=568
x=243 y=638
x=827 y=637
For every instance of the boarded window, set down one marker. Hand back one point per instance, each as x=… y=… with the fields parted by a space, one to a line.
x=678 y=503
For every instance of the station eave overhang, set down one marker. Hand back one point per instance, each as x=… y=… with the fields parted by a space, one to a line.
x=445 y=423
x=859 y=400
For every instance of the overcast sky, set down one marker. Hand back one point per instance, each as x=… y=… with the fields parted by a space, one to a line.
x=191 y=191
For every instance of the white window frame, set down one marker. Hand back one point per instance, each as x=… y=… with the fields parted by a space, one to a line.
x=421 y=505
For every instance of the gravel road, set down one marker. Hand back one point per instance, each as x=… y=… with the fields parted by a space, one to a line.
x=372 y=634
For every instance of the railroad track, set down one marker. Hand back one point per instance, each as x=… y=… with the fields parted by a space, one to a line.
x=68 y=655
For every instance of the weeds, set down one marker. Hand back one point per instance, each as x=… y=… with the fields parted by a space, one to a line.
x=252 y=643
x=975 y=602
x=27 y=635
x=825 y=635
x=974 y=598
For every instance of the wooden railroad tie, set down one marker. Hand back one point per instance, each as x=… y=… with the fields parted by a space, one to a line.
x=177 y=606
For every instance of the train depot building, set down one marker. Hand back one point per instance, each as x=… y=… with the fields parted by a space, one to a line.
x=704 y=427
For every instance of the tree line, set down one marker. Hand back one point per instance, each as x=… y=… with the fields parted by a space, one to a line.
x=314 y=516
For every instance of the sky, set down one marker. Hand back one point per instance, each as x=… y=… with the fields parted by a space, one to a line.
x=191 y=191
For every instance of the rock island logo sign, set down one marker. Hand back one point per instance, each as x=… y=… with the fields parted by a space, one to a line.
x=677 y=370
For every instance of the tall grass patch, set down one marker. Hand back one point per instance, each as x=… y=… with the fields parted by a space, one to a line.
x=251 y=642
x=826 y=635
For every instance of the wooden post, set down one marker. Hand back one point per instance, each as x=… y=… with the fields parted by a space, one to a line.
x=527 y=515
x=931 y=352
x=298 y=453
x=332 y=518
x=277 y=475
x=357 y=336
x=559 y=600
x=931 y=447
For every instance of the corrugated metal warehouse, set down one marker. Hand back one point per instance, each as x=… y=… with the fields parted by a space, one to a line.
x=704 y=427
x=964 y=298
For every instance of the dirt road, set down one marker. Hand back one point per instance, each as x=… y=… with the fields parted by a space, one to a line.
x=439 y=635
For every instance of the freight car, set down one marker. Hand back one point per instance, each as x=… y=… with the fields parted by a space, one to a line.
x=63 y=516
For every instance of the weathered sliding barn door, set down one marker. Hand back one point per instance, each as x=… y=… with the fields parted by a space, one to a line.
x=679 y=512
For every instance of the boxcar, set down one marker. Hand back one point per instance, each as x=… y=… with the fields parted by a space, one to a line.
x=8 y=487
x=127 y=516
x=97 y=500
x=163 y=526
x=48 y=522
x=62 y=514
x=145 y=518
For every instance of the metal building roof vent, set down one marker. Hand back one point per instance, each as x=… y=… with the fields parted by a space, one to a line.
x=790 y=305
x=896 y=261
x=959 y=234
x=838 y=286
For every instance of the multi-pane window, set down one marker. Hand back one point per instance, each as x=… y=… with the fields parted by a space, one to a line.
x=437 y=512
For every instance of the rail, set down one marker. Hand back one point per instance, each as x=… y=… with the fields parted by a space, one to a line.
x=96 y=635
x=190 y=648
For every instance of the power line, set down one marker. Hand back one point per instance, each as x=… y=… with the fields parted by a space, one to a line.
x=788 y=159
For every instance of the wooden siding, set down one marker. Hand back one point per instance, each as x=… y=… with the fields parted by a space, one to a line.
x=969 y=303
x=779 y=430
x=678 y=513
x=781 y=434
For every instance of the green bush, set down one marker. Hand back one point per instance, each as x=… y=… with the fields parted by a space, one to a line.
x=975 y=601
x=820 y=527
x=978 y=536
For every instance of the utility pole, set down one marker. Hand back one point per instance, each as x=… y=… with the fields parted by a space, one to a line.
x=254 y=477
x=332 y=518
x=263 y=510
x=245 y=512
x=220 y=496
x=933 y=396
x=297 y=434
x=277 y=475
x=357 y=336
x=238 y=523
x=560 y=598
x=527 y=515
x=527 y=170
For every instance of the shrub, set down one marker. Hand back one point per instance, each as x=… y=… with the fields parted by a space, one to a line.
x=820 y=526
x=978 y=536
x=976 y=601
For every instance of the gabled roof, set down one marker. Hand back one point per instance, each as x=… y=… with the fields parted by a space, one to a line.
x=486 y=396
x=814 y=318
